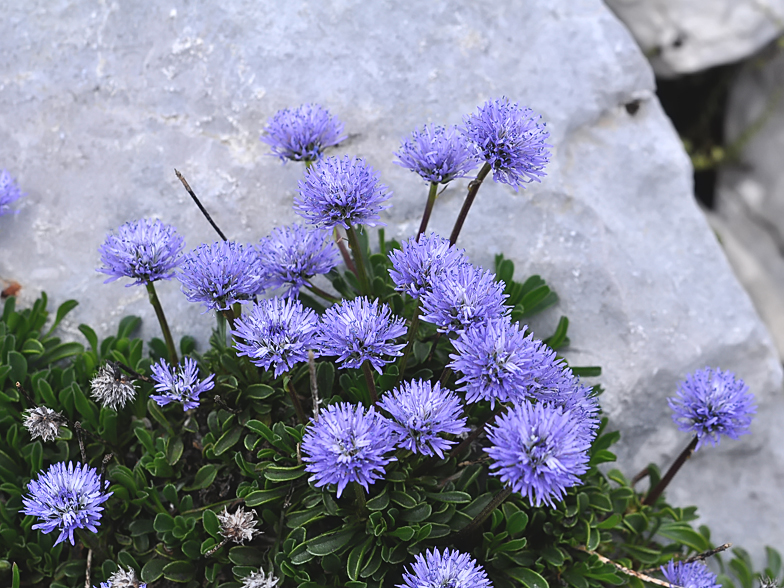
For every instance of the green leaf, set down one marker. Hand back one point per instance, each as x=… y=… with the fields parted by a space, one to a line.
x=246 y=556
x=329 y=542
x=683 y=533
x=211 y=523
x=259 y=497
x=15 y=580
x=153 y=570
x=18 y=367
x=773 y=568
x=62 y=310
x=91 y=337
x=587 y=371
x=417 y=514
x=32 y=347
x=179 y=571
x=454 y=497
x=61 y=351
x=261 y=429
x=516 y=523
x=557 y=339
x=527 y=577
x=227 y=440
x=163 y=522
x=155 y=412
x=354 y=561
x=379 y=502
x=281 y=474
x=204 y=477
x=742 y=572
x=258 y=391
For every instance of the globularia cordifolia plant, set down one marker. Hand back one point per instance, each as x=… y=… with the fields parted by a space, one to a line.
x=362 y=417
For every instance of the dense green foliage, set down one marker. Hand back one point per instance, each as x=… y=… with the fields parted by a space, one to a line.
x=172 y=471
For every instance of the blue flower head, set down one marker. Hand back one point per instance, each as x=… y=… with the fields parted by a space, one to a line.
x=342 y=192
x=180 y=384
x=360 y=330
x=292 y=255
x=511 y=140
x=66 y=497
x=452 y=569
x=302 y=133
x=689 y=575
x=711 y=403
x=9 y=192
x=346 y=445
x=276 y=333
x=539 y=450
x=144 y=250
x=437 y=154
x=221 y=274
x=462 y=298
x=418 y=264
x=421 y=412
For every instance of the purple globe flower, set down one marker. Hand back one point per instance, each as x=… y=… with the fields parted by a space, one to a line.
x=9 y=192
x=144 y=250
x=689 y=575
x=539 y=450
x=511 y=140
x=292 y=255
x=417 y=265
x=180 y=384
x=302 y=133
x=342 y=192
x=711 y=403
x=360 y=330
x=346 y=445
x=276 y=332
x=221 y=274
x=462 y=298
x=453 y=569
x=66 y=498
x=437 y=154
x=420 y=412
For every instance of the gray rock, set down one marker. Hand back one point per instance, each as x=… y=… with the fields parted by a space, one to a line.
x=686 y=36
x=101 y=102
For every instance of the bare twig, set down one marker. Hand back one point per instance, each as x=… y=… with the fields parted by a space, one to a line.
x=313 y=384
x=699 y=557
x=199 y=204
x=222 y=403
x=79 y=430
x=131 y=372
x=223 y=542
x=640 y=475
x=89 y=568
x=627 y=571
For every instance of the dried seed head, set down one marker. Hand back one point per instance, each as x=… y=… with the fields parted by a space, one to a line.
x=766 y=582
x=43 y=422
x=125 y=579
x=239 y=526
x=111 y=387
x=260 y=580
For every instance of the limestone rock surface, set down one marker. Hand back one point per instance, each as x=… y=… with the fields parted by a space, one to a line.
x=686 y=36
x=100 y=101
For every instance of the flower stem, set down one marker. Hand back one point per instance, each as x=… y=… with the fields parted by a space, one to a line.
x=295 y=401
x=413 y=327
x=167 y=336
x=343 y=251
x=473 y=188
x=359 y=492
x=471 y=529
x=229 y=315
x=353 y=241
x=199 y=204
x=371 y=383
x=431 y=200
x=474 y=434
x=654 y=494
x=325 y=295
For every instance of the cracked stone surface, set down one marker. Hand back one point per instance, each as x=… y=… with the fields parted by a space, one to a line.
x=686 y=36
x=99 y=102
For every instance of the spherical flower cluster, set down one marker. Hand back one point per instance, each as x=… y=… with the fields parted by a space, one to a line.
x=711 y=403
x=179 y=385
x=221 y=274
x=66 y=498
x=239 y=526
x=292 y=255
x=260 y=579
x=361 y=330
x=539 y=450
x=421 y=412
x=437 y=154
x=144 y=250
x=276 y=332
x=418 y=264
x=453 y=569
x=342 y=192
x=346 y=445
x=302 y=133
x=112 y=388
x=689 y=575
x=462 y=298
x=511 y=140
x=123 y=579
x=43 y=422
x=9 y=192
